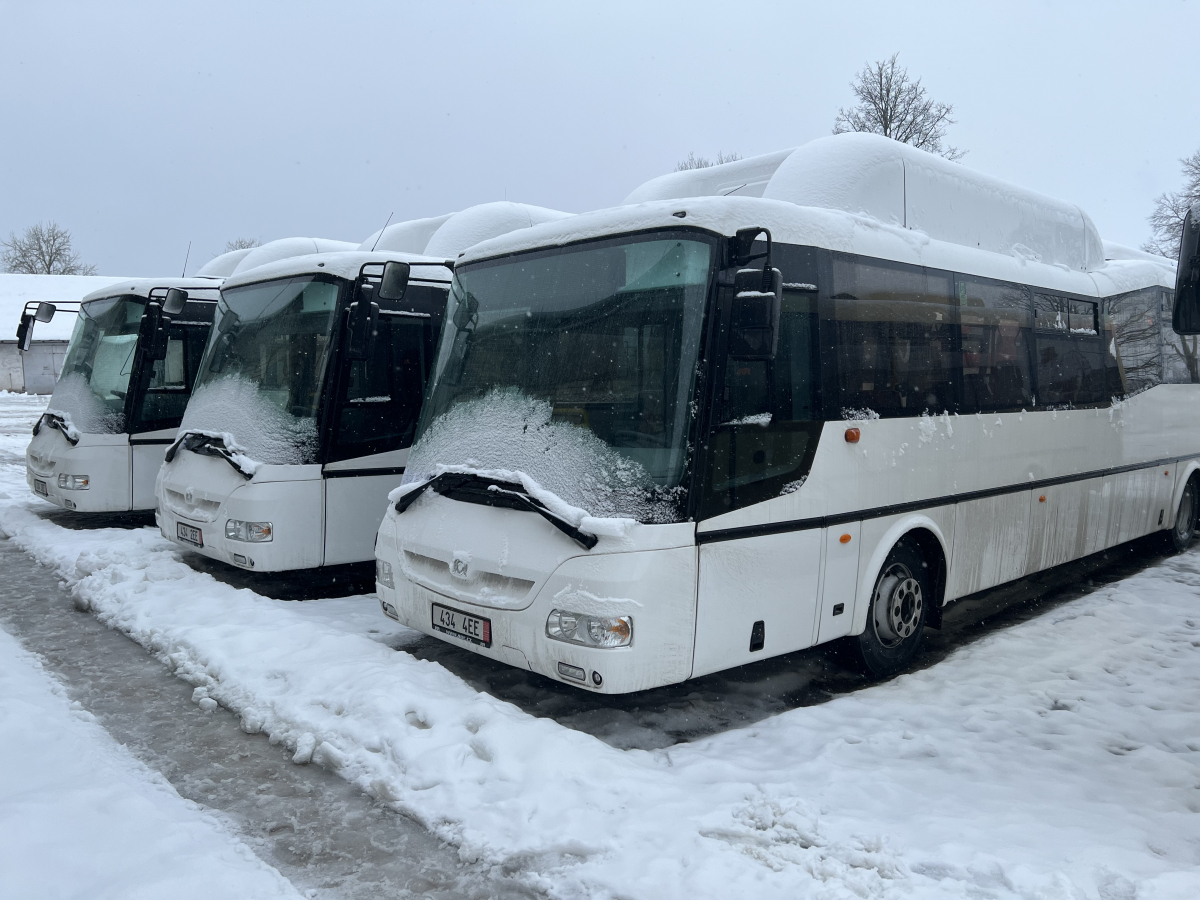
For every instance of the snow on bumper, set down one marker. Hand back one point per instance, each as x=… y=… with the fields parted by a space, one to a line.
x=103 y=458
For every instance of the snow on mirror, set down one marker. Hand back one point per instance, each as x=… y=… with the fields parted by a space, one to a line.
x=261 y=376
x=90 y=394
x=574 y=368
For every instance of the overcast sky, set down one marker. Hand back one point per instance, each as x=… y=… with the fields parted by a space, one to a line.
x=141 y=127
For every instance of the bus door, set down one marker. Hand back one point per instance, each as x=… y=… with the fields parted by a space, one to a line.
x=757 y=596
x=378 y=403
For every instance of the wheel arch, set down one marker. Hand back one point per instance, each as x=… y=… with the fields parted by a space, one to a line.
x=1185 y=470
x=932 y=542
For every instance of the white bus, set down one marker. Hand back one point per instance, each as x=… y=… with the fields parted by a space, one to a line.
x=308 y=395
x=675 y=437
x=129 y=370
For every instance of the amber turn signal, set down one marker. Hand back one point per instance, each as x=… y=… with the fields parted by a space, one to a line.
x=845 y=539
x=852 y=435
x=1042 y=499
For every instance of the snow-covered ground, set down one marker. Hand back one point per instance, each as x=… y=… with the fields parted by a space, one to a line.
x=1058 y=758
x=81 y=818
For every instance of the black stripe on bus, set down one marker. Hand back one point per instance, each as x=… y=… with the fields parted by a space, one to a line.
x=745 y=531
x=347 y=473
x=134 y=442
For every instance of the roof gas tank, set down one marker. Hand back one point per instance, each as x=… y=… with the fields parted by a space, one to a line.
x=900 y=185
x=487 y=220
x=285 y=248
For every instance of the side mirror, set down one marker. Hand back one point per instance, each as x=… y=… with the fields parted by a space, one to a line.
x=361 y=321
x=757 y=305
x=395 y=280
x=741 y=246
x=45 y=312
x=1186 y=317
x=174 y=302
x=152 y=335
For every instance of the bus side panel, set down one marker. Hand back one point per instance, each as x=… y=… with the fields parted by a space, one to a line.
x=991 y=543
x=146 y=461
x=773 y=579
x=354 y=507
x=1060 y=519
x=841 y=581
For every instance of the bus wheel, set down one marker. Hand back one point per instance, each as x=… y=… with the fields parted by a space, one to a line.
x=896 y=619
x=1185 y=518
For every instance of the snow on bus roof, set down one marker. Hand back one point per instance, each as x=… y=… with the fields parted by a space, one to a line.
x=141 y=287
x=831 y=229
x=287 y=247
x=483 y=221
x=405 y=237
x=17 y=290
x=343 y=264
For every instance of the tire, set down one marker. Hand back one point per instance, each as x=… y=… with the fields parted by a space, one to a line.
x=1184 y=528
x=896 y=619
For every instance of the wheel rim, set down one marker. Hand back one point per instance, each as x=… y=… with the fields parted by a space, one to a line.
x=1183 y=518
x=898 y=604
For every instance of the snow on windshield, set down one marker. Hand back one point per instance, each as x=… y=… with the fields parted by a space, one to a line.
x=265 y=433
x=82 y=410
x=509 y=430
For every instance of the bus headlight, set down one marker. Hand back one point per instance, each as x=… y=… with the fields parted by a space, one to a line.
x=73 y=482
x=251 y=532
x=590 y=631
x=383 y=573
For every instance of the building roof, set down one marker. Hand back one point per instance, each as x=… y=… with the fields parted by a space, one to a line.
x=17 y=290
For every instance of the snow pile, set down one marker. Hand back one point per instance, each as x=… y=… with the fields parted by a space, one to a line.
x=252 y=426
x=82 y=410
x=511 y=431
x=82 y=818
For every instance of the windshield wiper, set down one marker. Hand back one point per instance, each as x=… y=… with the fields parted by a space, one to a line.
x=469 y=488
x=54 y=420
x=205 y=445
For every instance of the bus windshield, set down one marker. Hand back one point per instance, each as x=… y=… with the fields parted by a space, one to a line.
x=264 y=366
x=576 y=369
x=95 y=375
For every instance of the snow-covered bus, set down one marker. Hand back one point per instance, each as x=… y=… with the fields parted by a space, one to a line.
x=693 y=432
x=308 y=395
x=129 y=370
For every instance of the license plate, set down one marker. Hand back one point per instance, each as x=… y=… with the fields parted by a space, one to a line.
x=470 y=628
x=39 y=487
x=189 y=535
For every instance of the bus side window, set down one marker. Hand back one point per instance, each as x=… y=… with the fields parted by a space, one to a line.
x=997 y=325
x=1070 y=351
x=172 y=378
x=1179 y=350
x=1137 y=331
x=894 y=333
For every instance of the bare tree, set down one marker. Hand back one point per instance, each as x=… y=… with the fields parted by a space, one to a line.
x=1166 y=222
x=892 y=104
x=242 y=244
x=700 y=162
x=42 y=250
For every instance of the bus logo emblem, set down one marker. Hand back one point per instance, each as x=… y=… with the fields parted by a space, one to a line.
x=459 y=567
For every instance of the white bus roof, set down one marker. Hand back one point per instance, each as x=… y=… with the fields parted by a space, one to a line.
x=898 y=185
x=828 y=228
x=141 y=287
x=486 y=220
x=343 y=264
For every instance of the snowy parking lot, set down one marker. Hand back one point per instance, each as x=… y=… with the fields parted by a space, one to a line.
x=1056 y=757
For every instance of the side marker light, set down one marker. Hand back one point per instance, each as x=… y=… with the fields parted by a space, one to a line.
x=852 y=435
x=845 y=539
x=1042 y=499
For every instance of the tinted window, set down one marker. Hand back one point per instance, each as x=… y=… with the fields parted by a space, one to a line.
x=171 y=379
x=764 y=426
x=1070 y=353
x=1135 y=319
x=997 y=338
x=894 y=336
x=1179 y=351
x=381 y=396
